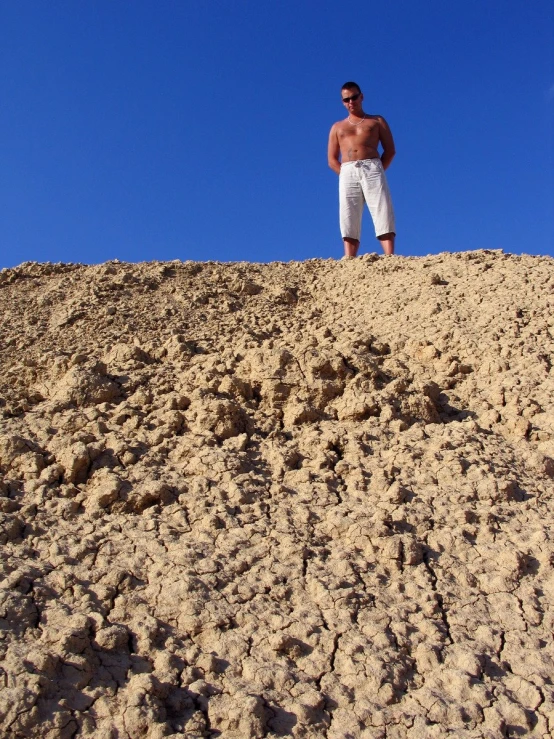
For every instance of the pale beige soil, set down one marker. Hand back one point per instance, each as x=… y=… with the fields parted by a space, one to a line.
x=287 y=500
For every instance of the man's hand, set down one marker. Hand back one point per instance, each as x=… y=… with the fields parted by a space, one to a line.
x=333 y=150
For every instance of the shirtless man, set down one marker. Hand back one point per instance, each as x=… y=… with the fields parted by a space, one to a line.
x=362 y=171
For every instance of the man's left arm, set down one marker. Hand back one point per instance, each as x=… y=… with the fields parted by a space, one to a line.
x=387 y=142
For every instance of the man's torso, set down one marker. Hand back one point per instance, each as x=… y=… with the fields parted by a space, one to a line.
x=358 y=141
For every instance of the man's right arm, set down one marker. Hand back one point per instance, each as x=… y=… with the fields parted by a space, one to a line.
x=333 y=150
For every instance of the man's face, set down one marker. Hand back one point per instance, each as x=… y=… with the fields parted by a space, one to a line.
x=353 y=106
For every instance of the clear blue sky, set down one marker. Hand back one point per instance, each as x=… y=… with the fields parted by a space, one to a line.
x=197 y=129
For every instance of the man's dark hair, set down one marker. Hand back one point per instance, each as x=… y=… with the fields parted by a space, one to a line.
x=351 y=86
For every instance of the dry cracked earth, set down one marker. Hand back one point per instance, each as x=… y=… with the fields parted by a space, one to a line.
x=286 y=500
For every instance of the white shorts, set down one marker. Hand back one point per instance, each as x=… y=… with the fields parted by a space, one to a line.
x=364 y=181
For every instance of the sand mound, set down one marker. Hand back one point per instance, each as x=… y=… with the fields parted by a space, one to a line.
x=287 y=500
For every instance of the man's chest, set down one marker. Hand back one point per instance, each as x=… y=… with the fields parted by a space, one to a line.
x=365 y=132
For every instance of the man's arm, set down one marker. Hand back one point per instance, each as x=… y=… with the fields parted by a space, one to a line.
x=387 y=142
x=333 y=150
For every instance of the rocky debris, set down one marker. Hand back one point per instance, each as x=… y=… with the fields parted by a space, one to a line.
x=307 y=499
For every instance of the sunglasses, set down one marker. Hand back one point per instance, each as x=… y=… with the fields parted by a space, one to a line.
x=351 y=98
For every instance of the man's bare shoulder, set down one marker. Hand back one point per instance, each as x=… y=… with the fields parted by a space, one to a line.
x=339 y=124
x=380 y=120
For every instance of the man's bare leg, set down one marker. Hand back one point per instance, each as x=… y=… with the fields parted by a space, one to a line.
x=387 y=242
x=351 y=247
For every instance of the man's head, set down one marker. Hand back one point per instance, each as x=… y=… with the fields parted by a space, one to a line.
x=351 y=86
x=352 y=97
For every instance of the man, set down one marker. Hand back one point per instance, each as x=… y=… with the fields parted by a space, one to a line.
x=362 y=171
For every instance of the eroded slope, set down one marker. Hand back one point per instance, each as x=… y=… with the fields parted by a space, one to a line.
x=307 y=499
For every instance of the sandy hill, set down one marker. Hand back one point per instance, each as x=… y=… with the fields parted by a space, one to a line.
x=287 y=500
